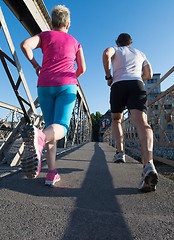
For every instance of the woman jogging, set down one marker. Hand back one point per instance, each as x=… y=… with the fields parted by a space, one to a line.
x=57 y=88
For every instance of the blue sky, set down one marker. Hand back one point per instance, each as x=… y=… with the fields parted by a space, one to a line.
x=96 y=25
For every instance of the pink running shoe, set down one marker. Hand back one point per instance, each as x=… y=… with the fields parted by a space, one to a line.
x=34 y=142
x=52 y=177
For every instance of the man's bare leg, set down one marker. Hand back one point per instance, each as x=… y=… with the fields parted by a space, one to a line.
x=145 y=134
x=117 y=131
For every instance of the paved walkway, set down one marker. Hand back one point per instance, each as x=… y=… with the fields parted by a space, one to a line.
x=96 y=200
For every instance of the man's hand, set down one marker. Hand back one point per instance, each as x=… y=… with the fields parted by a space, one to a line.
x=109 y=82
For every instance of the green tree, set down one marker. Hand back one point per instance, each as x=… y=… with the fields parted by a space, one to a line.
x=95 y=126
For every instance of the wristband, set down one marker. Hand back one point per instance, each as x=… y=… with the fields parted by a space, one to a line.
x=108 y=78
x=36 y=66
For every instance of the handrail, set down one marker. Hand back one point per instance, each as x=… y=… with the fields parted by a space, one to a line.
x=161 y=80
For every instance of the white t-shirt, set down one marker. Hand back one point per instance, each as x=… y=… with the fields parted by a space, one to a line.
x=127 y=64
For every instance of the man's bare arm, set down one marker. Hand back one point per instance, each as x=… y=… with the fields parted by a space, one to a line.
x=147 y=72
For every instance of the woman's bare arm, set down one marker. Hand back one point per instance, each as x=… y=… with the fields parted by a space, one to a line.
x=27 y=47
x=81 y=65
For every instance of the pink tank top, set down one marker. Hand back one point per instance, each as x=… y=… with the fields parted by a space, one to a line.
x=59 y=54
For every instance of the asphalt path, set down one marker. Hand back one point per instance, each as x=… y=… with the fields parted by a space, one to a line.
x=95 y=199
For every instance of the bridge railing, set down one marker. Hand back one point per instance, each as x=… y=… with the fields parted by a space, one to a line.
x=161 y=118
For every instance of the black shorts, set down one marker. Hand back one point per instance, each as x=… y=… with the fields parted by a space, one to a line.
x=130 y=94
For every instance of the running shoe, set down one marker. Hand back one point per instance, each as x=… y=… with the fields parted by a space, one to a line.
x=119 y=157
x=149 y=178
x=34 y=142
x=52 y=177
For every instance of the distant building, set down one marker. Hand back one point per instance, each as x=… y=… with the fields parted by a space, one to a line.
x=161 y=110
x=150 y=83
x=105 y=122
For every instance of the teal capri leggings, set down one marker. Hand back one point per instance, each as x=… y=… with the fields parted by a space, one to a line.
x=57 y=104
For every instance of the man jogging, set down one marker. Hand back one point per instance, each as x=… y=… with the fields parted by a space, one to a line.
x=130 y=69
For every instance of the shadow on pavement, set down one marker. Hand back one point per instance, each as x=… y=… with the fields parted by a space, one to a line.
x=97 y=213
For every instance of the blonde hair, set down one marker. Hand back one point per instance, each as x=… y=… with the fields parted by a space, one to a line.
x=60 y=16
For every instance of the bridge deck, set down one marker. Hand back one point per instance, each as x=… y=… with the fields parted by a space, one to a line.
x=96 y=199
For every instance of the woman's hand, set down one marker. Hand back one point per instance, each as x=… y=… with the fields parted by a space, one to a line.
x=38 y=68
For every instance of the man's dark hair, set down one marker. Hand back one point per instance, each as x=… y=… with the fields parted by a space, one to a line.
x=124 y=39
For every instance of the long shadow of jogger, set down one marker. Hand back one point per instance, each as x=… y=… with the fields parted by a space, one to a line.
x=97 y=214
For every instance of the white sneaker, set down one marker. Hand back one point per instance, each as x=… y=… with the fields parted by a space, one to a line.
x=119 y=158
x=149 y=178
